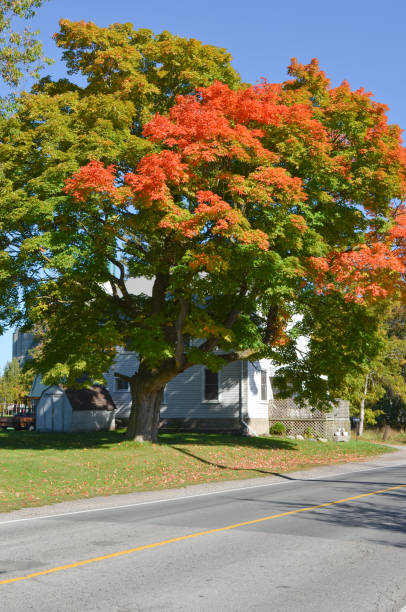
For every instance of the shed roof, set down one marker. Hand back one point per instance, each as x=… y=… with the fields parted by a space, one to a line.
x=93 y=398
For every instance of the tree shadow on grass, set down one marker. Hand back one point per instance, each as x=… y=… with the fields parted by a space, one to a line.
x=228 y=467
x=34 y=440
x=213 y=439
x=270 y=443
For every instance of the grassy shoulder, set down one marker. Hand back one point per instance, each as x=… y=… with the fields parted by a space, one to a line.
x=394 y=436
x=38 y=469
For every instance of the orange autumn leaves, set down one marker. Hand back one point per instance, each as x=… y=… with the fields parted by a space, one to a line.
x=367 y=273
x=93 y=178
x=231 y=165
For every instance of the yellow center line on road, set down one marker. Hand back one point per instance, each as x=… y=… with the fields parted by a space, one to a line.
x=130 y=551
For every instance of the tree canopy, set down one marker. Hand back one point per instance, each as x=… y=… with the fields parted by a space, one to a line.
x=20 y=51
x=248 y=206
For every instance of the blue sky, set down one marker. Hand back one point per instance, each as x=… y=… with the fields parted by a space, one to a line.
x=358 y=40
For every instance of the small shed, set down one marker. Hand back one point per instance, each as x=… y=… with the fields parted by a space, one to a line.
x=65 y=409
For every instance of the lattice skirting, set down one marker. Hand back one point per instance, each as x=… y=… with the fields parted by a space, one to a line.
x=320 y=428
x=295 y=427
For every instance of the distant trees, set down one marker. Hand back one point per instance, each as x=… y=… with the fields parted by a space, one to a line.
x=391 y=410
x=378 y=390
x=15 y=383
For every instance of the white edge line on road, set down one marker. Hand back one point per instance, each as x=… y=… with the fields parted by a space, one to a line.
x=184 y=497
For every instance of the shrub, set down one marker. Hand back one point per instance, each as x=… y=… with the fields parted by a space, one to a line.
x=308 y=433
x=277 y=429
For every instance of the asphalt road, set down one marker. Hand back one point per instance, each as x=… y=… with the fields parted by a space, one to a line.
x=260 y=545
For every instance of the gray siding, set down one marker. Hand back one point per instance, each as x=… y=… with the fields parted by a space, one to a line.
x=93 y=420
x=184 y=395
x=125 y=363
x=341 y=410
x=239 y=391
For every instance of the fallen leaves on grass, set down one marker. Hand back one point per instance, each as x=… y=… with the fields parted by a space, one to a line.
x=111 y=465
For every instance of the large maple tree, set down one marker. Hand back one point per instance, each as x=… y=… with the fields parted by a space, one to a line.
x=248 y=207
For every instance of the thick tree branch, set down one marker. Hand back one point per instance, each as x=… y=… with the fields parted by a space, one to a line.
x=159 y=291
x=238 y=355
x=113 y=287
x=120 y=281
x=228 y=322
x=180 y=341
x=271 y=325
x=209 y=344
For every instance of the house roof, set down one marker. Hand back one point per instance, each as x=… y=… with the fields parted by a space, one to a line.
x=37 y=387
x=93 y=398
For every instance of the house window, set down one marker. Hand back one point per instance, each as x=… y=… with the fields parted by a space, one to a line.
x=264 y=386
x=211 y=386
x=122 y=385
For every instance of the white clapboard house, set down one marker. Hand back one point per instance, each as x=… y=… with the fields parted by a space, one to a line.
x=238 y=398
x=235 y=398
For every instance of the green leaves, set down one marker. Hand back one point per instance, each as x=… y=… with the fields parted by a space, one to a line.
x=20 y=52
x=15 y=383
x=244 y=208
x=338 y=338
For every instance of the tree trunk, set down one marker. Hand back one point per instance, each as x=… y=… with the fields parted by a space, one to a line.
x=144 y=417
x=362 y=407
x=386 y=432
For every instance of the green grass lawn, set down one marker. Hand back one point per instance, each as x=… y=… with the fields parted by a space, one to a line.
x=38 y=469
